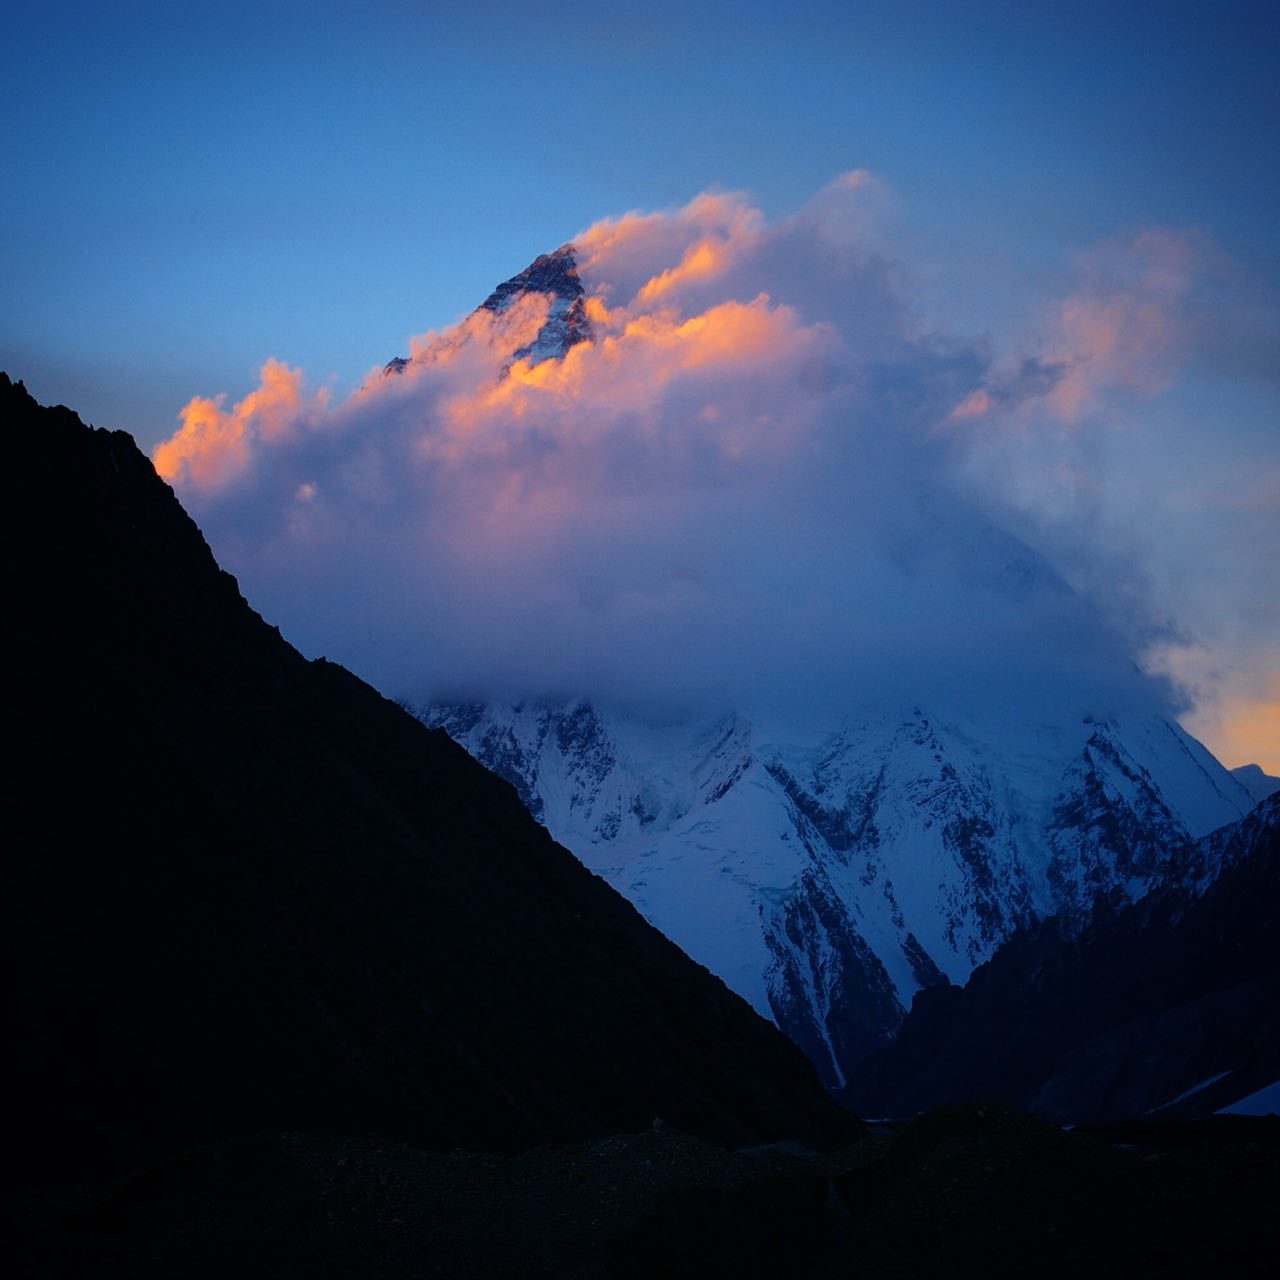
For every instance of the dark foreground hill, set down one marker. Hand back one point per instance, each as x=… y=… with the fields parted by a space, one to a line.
x=975 y=1190
x=244 y=892
x=272 y=950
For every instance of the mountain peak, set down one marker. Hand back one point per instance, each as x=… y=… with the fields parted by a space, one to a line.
x=555 y=275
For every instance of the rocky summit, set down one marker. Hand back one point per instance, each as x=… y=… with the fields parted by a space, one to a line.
x=553 y=276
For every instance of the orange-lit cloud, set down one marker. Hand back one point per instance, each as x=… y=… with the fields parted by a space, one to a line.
x=208 y=448
x=701 y=261
x=974 y=405
x=762 y=474
x=212 y=446
x=646 y=258
x=720 y=383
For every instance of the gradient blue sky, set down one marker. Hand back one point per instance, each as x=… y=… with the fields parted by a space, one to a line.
x=188 y=192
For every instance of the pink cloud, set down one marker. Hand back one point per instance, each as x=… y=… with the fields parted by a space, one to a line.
x=213 y=445
x=626 y=256
x=738 y=485
x=1126 y=329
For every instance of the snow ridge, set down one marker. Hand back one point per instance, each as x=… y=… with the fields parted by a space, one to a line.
x=828 y=881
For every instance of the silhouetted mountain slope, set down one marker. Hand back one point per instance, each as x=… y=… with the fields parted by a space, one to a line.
x=232 y=903
x=1170 y=1005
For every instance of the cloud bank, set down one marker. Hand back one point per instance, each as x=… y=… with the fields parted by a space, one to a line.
x=765 y=483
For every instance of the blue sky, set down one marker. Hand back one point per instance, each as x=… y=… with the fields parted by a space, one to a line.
x=189 y=192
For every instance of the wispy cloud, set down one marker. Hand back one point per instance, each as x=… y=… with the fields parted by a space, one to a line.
x=214 y=445
x=764 y=481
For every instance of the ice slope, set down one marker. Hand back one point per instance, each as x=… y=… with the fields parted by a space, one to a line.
x=827 y=880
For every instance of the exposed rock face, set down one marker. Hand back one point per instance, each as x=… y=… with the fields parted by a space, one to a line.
x=555 y=277
x=829 y=881
x=245 y=892
x=1168 y=1005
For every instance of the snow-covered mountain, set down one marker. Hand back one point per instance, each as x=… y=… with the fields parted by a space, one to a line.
x=828 y=880
x=829 y=875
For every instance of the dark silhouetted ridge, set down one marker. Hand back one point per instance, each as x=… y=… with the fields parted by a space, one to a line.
x=1167 y=1006
x=247 y=893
